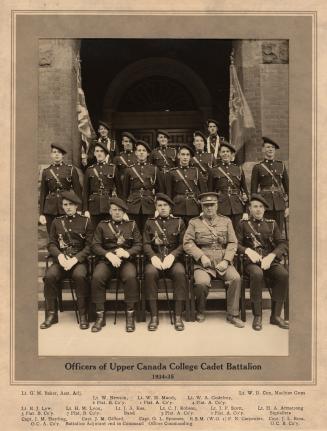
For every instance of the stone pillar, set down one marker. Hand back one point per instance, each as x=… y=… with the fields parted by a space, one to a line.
x=57 y=98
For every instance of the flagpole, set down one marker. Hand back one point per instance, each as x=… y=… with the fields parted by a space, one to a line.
x=230 y=80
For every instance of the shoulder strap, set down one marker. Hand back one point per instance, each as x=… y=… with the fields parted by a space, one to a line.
x=137 y=174
x=56 y=178
x=184 y=180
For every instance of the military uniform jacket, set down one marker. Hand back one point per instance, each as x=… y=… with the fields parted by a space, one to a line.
x=51 y=188
x=101 y=181
x=185 y=200
x=230 y=192
x=72 y=236
x=163 y=236
x=263 y=236
x=163 y=157
x=204 y=162
x=124 y=234
x=216 y=239
x=109 y=143
x=124 y=160
x=262 y=182
x=140 y=187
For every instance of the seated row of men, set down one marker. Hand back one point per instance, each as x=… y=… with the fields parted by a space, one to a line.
x=209 y=239
x=182 y=172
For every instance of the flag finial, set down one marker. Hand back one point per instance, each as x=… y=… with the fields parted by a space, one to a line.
x=232 y=56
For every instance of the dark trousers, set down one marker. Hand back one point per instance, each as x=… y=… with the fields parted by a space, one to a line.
x=176 y=273
x=56 y=273
x=278 y=276
x=104 y=272
x=235 y=219
x=278 y=216
x=49 y=218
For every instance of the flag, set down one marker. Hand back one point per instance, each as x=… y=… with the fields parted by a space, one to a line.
x=240 y=117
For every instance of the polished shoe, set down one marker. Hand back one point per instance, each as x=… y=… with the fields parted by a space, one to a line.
x=83 y=321
x=234 y=320
x=50 y=319
x=179 y=324
x=153 y=324
x=276 y=320
x=257 y=323
x=130 y=321
x=100 y=322
x=200 y=317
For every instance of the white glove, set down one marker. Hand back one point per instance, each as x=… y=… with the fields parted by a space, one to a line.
x=245 y=216
x=206 y=262
x=287 y=212
x=42 y=220
x=120 y=252
x=62 y=260
x=70 y=263
x=156 y=262
x=267 y=261
x=168 y=261
x=87 y=214
x=253 y=255
x=113 y=259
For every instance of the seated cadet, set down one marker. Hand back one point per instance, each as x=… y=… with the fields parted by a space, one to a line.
x=210 y=239
x=55 y=179
x=126 y=158
x=69 y=245
x=101 y=182
x=163 y=246
x=141 y=182
x=115 y=242
x=261 y=242
x=163 y=156
x=201 y=159
x=184 y=183
x=228 y=180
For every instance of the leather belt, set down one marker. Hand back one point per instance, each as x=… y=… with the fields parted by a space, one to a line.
x=103 y=193
x=272 y=188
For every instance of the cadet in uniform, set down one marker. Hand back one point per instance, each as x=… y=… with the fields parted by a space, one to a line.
x=213 y=142
x=116 y=242
x=57 y=178
x=201 y=159
x=103 y=138
x=270 y=178
x=101 y=182
x=261 y=242
x=163 y=246
x=184 y=183
x=142 y=180
x=126 y=158
x=228 y=180
x=163 y=156
x=210 y=239
x=69 y=245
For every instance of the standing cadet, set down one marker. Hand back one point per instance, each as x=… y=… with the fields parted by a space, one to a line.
x=101 y=182
x=69 y=246
x=142 y=180
x=103 y=138
x=163 y=246
x=57 y=178
x=184 y=183
x=270 y=178
x=228 y=180
x=116 y=242
x=261 y=242
x=201 y=159
x=210 y=239
x=126 y=158
x=213 y=142
x=163 y=156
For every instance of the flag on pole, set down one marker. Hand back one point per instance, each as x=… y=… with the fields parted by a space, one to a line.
x=84 y=123
x=240 y=117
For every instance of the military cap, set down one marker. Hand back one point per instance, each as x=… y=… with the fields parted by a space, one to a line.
x=71 y=196
x=59 y=147
x=257 y=197
x=187 y=146
x=101 y=145
x=224 y=143
x=163 y=197
x=198 y=133
x=104 y=124
x=266 y=140
x=208 y=198
x=210 y=120
x=129 y=136
x=163 y=132
x=145 y=144
x=119 y=202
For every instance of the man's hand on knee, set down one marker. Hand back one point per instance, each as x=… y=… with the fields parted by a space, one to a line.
x=206 y=262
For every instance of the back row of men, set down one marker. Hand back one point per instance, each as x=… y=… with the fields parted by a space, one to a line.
x=137 y=173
